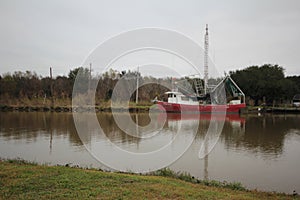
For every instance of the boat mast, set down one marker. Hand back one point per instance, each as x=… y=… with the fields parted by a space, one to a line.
x=206 y=60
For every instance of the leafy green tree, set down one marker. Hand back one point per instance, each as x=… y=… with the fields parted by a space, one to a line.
x=260 y=83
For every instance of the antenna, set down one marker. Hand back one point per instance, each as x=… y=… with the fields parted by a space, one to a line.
x=206 y=60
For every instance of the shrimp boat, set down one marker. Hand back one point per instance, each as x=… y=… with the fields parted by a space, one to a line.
x=226 y=96
x=232 y=100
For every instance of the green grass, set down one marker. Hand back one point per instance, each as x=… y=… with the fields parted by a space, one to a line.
x=188 y=178
x=64 y=105
x=22 y=180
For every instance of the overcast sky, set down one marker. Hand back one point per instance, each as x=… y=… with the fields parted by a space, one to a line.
x=38 y=34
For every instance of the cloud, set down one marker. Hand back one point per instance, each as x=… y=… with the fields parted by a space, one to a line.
x=38 y=34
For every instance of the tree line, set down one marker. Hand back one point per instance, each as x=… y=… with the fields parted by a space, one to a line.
x=28 y=85
x=264 y=84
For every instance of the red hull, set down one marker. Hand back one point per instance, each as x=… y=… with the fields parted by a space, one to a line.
x=175 y=107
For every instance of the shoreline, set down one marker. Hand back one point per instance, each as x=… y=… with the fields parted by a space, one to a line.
x=273 y=110
x=139 y=108
x=5 y=108
x=21 y=179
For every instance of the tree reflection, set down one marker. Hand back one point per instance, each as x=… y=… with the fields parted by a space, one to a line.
x=263 y=135
x=30 y=125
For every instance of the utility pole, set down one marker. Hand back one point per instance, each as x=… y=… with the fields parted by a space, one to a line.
x=137 y=87
x=90 y=76
x=206 y=60
x=51 y=88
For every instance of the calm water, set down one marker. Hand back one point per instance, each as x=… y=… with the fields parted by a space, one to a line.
x=261 y=152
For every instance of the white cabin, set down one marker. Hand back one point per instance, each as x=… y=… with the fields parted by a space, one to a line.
x=178 y=97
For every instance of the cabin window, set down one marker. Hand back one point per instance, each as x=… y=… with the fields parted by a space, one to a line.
x=184 y=98
x=174 y=95
x=194 y=98
x=169 y=95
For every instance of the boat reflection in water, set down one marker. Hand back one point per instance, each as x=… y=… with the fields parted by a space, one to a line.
x=176 y=133
x=206 y=117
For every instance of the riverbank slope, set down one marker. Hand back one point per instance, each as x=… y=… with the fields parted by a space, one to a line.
x=22 y=180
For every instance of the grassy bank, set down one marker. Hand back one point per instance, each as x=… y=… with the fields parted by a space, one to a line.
x=21 y=180
x=270 y=109
x=25 y=105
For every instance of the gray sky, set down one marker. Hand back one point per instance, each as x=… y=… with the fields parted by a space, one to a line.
x=38 y=34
